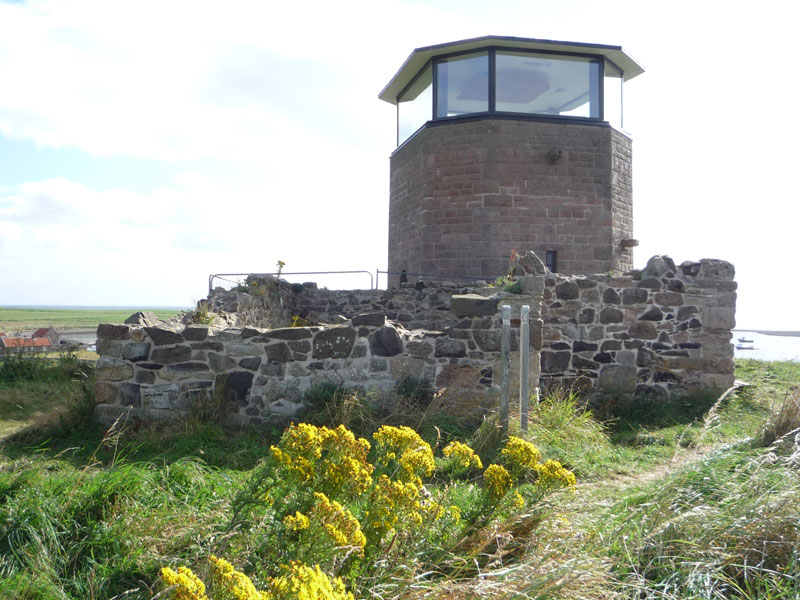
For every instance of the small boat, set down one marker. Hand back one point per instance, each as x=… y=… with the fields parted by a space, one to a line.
x=744 y=340
x=745 y=346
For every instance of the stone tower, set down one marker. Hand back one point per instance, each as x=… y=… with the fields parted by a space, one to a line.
x=510 y=143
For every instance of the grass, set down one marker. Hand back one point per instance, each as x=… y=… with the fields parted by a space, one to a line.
x=21 y=319
x=683 y=506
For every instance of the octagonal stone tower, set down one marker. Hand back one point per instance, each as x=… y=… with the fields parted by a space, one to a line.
x=510 y=143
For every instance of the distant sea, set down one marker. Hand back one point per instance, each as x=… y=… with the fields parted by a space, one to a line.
x=74 y=307
x=784 y=345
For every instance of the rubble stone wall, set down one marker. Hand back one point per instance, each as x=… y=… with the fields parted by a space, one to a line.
x=157 y=372
x=653 y=334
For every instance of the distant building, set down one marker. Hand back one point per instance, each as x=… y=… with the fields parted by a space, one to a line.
x=49 y=333
x=40 y=344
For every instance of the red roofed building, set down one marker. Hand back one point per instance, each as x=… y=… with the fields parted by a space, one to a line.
x=32 y=344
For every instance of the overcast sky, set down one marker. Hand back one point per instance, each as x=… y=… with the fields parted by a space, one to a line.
x=144 y=145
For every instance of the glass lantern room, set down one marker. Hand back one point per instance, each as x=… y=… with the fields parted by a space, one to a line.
x=510 y=77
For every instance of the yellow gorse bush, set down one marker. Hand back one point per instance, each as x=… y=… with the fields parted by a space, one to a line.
x=333 y=461
x=497 y=481
x=553 y=474
x=462 y=456
x=401 y=448
x=337 y=523
x=520 y=456
x=232 y=584
x=307 y=583
x=189 y=585
x=393 y=503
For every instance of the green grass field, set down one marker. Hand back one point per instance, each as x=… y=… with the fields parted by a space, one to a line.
x=689 y=505
x=14 y=319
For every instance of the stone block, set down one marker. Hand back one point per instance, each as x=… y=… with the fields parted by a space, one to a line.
x=113 y=369
x=369 y=320
x=186 y=371
x=279 y=352
x=668 y=298
x=287 y=333
x=160 y=397
x=531 y=285
x=196 y=333
x=611 y=315
x=129 y=394
x=171 y=355
x=567 y=291
x=718 y=317
x=251 y=363
x=555 y=362
x=107 y=331
x=643 y=330
x=333 y=342
x=163 y=337
x=105 y=393
x=616 y=378
x=112 y=348
x=487 y=340
x=446 y=347
x=472 y=305
x=136 y=351
x=385 y=342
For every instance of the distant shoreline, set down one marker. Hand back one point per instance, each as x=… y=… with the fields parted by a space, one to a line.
x=770 y=332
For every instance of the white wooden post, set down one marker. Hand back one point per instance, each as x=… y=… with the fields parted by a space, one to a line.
x=505 y=345
x=524 y=367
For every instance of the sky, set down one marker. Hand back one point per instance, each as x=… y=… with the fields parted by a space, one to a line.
x=146 y=145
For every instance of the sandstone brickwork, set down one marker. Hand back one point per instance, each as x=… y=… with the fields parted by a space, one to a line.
x=462 y=195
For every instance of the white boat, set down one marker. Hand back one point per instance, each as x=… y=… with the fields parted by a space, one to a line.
x=744 y=340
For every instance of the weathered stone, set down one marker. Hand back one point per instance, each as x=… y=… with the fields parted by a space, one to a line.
x=649 y=284
x=676 y=285
x=715 y=317
x=650 y=394
x=582 y=363
x=586 y=316
x=659 y=266
x=610 y=296
x=279 y=352
x=419 y=349
x=668 y=298
x=247 y=333
x=567 y=291
x=105 y=393
x=652 y=314
x=171 y=355
x=603 y=357
x=531 y=285
x=634 y=296
x=378 y=364
x=646 y=358
x=369 y=320
x=334 y=342
x=112 y=369
x=611 y=345
x=579 y=346
x=385 y=342
x=712 y=268
x=111 y=348
x=160 y=397
x=197 y=333
x=555 y=362
x=142 y=319
x=301 y=346
x=238 y=383
x=531 y=263
x=107 y=331
x=448 y=347
x=359 y=351
x=129 y=394
x=285 y=407
x=487 y=340
x=251 y=363
x=163 y=337
x=150 y=366
x=472 y=305
x=459 y=376
x=617 y=379
x=273 y=369
x=610 y=315
x=208 y=345
x=143 y=376
x=136 y=351
x=287 y=333
x=643 y=330
x=187 y=370
x=536 y=333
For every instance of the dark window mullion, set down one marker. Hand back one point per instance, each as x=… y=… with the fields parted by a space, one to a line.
x=435 y=84
x=492 y=80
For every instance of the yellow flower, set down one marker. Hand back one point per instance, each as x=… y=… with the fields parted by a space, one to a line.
x=454 y=512
x=231 y=583
x=415 y=454
x=308 y=583
x=189 y=585
x=393 y=503
x=462 y=456
x=553 y=474
x=520 y=455
x=497 y=481
x=298 y=522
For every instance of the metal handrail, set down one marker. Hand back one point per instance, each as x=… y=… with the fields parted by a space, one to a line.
x=223 y=275
x=472 y=277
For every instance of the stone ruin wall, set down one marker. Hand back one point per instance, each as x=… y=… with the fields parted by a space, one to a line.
x=157 y=372
x=650 y=335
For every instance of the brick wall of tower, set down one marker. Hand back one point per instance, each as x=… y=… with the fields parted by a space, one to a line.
x=464 y=194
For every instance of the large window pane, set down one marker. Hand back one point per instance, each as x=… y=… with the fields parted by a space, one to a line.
x=541 y=84
x=462 y=85
x=612 y=95
x=415 y=105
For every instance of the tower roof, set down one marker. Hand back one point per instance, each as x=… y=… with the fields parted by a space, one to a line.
x=419 y=57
